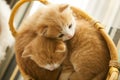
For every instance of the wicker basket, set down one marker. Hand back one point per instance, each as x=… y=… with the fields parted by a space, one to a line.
x=114 y=65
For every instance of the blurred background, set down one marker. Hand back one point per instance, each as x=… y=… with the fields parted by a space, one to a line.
x=105 y=11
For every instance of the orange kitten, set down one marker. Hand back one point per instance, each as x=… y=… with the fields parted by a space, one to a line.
x=52 y=21
x=89 y=54
x=39 y=57
x=46 y=53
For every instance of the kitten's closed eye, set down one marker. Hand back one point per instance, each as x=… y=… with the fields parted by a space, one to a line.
x=61 y=35
x=70 y=26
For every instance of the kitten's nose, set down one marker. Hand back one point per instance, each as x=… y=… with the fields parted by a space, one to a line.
x=70 y=36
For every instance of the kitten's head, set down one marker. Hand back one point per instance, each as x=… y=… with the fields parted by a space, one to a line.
x=46 y=53
x=59 y=22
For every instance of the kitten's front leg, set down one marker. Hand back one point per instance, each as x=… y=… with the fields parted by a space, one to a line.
x=67 y=70
x=65 y=75
x=27 y=77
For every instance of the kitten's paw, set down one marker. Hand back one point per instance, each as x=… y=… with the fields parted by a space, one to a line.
x=60 y=47
x=65 y=75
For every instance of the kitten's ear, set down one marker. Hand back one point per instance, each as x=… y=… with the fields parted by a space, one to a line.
x=63 y=7
x=44 y=31
x=60 y=47
x=27 y=52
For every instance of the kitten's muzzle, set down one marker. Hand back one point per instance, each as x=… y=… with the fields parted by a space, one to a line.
x=52 y=66
x=69 y=36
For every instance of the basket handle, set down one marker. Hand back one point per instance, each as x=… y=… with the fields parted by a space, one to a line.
x=14 y=10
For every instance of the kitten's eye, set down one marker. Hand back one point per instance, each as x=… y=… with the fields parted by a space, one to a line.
x=61 y=35
x=70 y=26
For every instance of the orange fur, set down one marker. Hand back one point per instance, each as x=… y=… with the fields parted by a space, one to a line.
x=89 y=54
x=50 y=21
x=43 y=51
x=34 y=50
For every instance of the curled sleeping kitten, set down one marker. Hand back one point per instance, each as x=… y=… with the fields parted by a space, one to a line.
x=47 y=53
x=89 y=54
x=52 y=21
x=41 y=58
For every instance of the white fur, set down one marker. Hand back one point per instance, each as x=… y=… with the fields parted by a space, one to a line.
x=51 y=67
x=69 y=32
x=6 y=38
